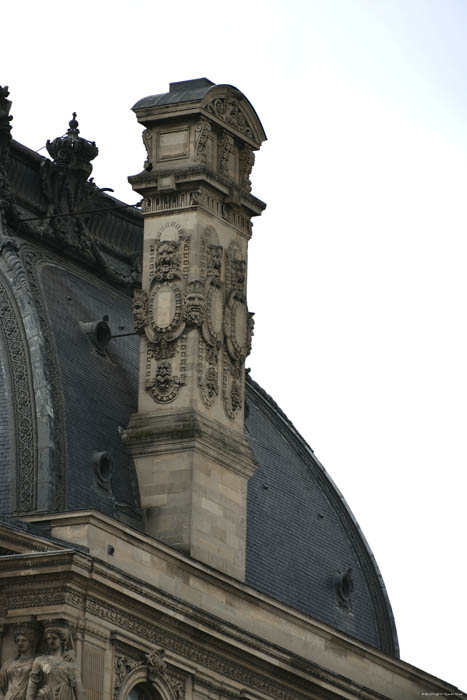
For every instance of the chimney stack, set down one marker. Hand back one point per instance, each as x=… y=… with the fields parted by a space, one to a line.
x=192 y=458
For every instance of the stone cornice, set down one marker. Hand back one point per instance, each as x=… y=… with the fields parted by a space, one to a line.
x=179 y=431
x=90 y=587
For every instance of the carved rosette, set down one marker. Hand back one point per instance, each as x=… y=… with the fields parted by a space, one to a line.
x=211 y=336
x=161 y=313
x=238 y=331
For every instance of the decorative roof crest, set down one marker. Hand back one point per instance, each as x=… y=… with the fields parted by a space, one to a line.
x=72 y=151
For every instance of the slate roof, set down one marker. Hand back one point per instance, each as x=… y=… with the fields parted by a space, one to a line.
x=183 y=91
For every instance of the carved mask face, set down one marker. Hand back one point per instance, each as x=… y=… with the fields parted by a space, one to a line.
x=167 y=256
x=195 y=308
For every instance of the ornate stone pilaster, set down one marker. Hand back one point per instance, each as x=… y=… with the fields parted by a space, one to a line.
x=192 y=459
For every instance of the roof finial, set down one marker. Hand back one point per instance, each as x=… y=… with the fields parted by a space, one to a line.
x=73 y=124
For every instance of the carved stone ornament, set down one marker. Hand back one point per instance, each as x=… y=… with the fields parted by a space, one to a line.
x=147 y=140
x=15 y=673
x=194 y=312
x=165 y=312
x=228 y=109
x=22 y=394
x=203 y=134
x=238 y=330
x=210 y=340
x=226 y=149
x=55 y=674
x=5 y=142
x=140 y=310
x=123 y=666
x=247 y=160
x=150 y=667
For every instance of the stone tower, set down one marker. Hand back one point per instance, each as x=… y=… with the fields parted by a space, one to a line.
x=192 y=459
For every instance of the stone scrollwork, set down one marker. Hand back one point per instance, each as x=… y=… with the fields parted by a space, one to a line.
x=157 y=669
x=147 y=140
x=150 y=667
x=238 y=331
x=210 y=341
x=123 y=666
x=228 y=110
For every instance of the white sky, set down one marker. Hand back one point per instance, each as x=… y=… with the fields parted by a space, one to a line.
x=357 y=267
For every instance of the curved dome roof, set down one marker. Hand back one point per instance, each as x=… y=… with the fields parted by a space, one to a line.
x=302 y=537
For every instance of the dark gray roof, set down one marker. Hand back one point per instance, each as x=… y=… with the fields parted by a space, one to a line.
x=183 y=91
x=301 y=535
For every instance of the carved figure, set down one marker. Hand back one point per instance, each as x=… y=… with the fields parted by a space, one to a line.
x=14 y=674
x=55 y=676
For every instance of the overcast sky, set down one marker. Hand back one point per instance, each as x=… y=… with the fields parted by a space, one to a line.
x=357 y=267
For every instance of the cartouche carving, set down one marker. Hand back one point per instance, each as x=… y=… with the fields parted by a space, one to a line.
x=55 y=675
x=14 y=674
x=164 y=312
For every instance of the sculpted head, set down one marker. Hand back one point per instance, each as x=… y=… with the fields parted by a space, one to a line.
x=25 y=638
x=58 y=638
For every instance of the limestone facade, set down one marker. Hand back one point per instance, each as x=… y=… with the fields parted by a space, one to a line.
x=147 y=619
